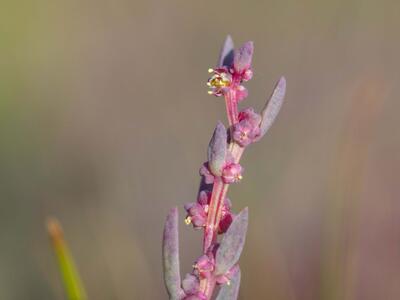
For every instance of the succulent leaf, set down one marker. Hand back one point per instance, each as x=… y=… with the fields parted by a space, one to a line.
x=172 y=277
x=272 y=107
x=243 y=56
x=232 y=243
x=226 y=54
x=217 y=150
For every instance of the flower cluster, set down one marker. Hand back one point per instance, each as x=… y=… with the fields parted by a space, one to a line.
x=229 y=75
x=197 y=212
x=211 y=212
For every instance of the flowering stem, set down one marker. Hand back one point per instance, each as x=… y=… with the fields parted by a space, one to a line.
x=219 y=192
x=217 y=198
x=231 y=107
x=218 y=264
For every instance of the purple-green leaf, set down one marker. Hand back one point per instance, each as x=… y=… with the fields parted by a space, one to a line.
x=217 y=150
x=272 y=107
x=226 y=54
x=243 y=56
x=172 y=277
x=230 y=291
x=232 y=243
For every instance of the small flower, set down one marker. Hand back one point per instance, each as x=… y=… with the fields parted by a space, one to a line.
x=205 y=172
x=191 y=287
x=219 y=82
x=247 y=129
x=247 y=75
x=197 y=296
x=241 y=93
x=232 y=173
x=196 y=215
x=190 y=284
x=197 y=211
x=204 y=266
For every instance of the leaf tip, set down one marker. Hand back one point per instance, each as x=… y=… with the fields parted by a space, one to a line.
x=226 y=53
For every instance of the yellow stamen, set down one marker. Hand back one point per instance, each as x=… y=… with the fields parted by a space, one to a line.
x=188 y=220
x=219 y=80
x=210 y=70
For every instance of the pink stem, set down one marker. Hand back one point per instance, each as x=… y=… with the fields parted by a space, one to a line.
x=231 y=107
x=218 y=194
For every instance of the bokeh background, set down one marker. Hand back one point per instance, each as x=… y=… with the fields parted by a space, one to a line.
x=105 y=119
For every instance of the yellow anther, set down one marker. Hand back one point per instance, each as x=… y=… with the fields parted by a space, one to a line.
x=210 y=70
x=208 y=84
x=188 y=220
x=228 y=282
x=219 y=80
x=239 y=177
x=210 y=92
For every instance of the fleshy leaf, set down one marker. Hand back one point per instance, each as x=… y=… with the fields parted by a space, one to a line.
x=272 y=107
x=69 y=273
x=226 y=54
x=243 y=56
x=172 y=276
x=217 y=150
x=230 y=291
x=232 y=243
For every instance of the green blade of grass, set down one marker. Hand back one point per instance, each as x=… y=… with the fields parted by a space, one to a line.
x=68 y=271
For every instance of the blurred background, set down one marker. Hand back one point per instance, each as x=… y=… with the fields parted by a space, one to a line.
x=105 y=120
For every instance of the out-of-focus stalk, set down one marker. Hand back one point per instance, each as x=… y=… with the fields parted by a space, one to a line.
x=68 y=271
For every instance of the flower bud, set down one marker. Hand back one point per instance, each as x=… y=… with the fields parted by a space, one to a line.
x=247 y=129
x=231 y=173
x=190 y=284
x=204 y=266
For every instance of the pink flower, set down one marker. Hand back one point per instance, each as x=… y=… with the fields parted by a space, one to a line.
x=220 y=81
x=197 y=296
x=204 y=266
x=197 y=211
x=229 y=77
x=231 y=173
x=247 y=129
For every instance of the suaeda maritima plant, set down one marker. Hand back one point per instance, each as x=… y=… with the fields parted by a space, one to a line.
x=218 y=263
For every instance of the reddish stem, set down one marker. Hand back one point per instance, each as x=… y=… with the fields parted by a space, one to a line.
x=231 y=107
x=218 y=194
